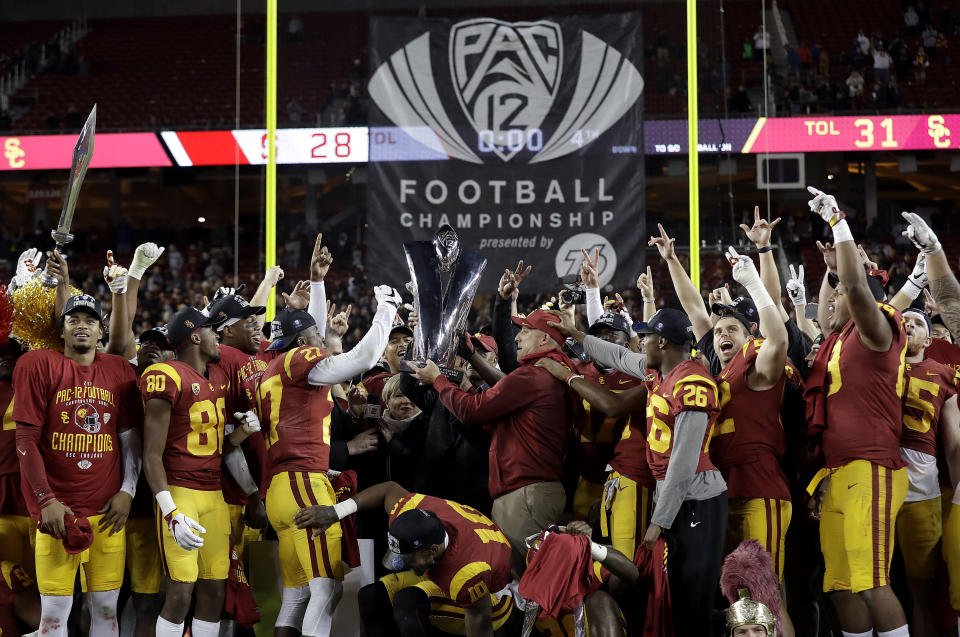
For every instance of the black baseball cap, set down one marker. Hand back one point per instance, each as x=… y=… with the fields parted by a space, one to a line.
x=926 y=319
x=876 y=287
x=742 y=305
x=286 y=325
x=411 y=531
x=82 y=302
x=671 y=324
x=233 y=307
x=400 y=326
x=187 y=322
x=157 y=334
x=614 y=321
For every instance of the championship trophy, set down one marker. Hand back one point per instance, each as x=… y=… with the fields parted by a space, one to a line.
x=82 y=154
x=445 y=280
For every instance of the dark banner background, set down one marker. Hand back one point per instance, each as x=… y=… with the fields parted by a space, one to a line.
x=542 y=126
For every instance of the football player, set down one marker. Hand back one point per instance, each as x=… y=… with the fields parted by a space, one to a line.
x=295 y=404
x=79 y=449
x=185 y=401
x=854 y=396
x=450 y=561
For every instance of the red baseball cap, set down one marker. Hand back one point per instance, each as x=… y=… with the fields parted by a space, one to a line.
x=486 y=342
x=538 y=320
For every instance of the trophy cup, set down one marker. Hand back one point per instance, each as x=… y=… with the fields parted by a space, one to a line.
x=445 y=280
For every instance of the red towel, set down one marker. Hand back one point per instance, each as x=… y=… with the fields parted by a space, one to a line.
x=653 y=565
x=239 y=603
x=559 y=574
x=79 y=534
x=345 y=486
x=815 y=390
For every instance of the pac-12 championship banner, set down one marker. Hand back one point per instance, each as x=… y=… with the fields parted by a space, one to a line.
x=529 y=141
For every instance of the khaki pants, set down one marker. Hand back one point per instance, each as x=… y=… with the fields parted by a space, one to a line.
x=525 y=511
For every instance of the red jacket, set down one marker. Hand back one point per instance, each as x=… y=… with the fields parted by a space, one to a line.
x=530 y=414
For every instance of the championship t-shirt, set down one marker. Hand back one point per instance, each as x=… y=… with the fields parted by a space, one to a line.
x=80 y=409
x=191 y=456
x=476 y=561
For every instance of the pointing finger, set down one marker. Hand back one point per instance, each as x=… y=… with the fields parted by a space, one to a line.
x=801 y=273
x=814 y=191
x=774 y=223
x=756 y=214
x=793 y=272
x=110 y=260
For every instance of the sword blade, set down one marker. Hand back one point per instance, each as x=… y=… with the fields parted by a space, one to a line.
x=82 y=154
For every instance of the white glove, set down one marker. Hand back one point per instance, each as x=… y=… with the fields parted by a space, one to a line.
x=610 y=488
x=824 y=205
x=386 y=294
x=920 y=233
x=795 y=289
x=145 y=255
x=744 y=271
x=28 y=263
x=226 y=291
x=185 y=530
x=918 y=278
x=115 y=275
x=248 y=421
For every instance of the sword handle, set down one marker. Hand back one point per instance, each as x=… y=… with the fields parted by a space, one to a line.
x=46 y=279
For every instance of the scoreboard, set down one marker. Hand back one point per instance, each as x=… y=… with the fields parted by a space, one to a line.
x=360 y=144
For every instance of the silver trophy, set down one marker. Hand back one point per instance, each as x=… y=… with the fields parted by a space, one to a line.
x=82 y=154
x=445 y=280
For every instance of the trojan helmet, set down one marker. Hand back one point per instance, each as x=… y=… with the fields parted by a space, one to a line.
x=752 y=588
x=746 y=611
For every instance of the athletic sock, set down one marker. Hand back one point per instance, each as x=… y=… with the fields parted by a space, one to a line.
x=869 y=633
x=165 y=628
x=903 y=631
x=103 y=612
x=200 y=628
x=54 y=613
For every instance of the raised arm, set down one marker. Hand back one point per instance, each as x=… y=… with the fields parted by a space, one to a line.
x=144 y=256
x=262 y=296
x=686 y=291
x=590 y=276
x=913 y=286
x=798 y=297
x=943 y=283
x=320 y=262
x=647 y=294
x=121 y=322
x=760 y=234
x=872 y=325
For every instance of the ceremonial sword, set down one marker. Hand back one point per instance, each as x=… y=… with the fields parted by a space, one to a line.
x=82 y=154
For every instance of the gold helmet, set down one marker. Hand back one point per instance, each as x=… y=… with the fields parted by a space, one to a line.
x=746 y=611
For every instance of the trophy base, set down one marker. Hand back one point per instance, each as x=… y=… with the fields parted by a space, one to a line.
x=453 y=375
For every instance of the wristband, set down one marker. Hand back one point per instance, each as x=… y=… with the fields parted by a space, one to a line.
x=841 y=232
x=46 y=499
x=345 y=508
x=911 y=289
x=598 y=551
x=764 y=249
x=572 y=377
x=165 y=501
x=649 y=300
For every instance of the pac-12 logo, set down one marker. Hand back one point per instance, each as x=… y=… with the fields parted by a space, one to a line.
x=506 y=77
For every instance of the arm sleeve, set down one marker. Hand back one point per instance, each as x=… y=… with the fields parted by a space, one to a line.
x=615 y=356
x=594 y=305
x=318 y=306
x=365 y=355
x=512 y=392
x=236 y=464
x=339 y=433
x=32 y=469
x=688 y=433
x=503 y=335
x=131 y=452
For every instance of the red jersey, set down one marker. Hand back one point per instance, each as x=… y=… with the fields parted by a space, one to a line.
x=245 y=371
x=79 y=409
x=14 y=581
x=476 y=561
x=749 y=441
x=598 y=433
x=191 y=456
x=630 y=454
x=929 y=385
x=11 y=496
x=943 y=352
x=688 y=387
x=294 y=414
x=863 y=393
